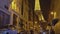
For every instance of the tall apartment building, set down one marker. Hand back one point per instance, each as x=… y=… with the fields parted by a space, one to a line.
x=4 y=12
x=23 y=10
x=55 y=7
x=20 y=14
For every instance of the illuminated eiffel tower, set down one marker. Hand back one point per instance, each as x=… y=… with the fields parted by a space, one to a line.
x=38 y=10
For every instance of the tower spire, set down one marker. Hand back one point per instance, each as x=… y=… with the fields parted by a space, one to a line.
x=37 y=5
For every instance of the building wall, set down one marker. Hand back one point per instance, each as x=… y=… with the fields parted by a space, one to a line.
x=56 y=8
x=27 y=8
x=4 y=3
x=14 y=8
x=18 y=12
x=4 y=6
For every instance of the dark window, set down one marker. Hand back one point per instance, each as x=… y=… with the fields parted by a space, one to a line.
x=6 y=7
x=7 y=17
x=14 y=20
x=31 y=31
x=29 y=15
x=0 y=19
x=22 y=8
x=4 y=19
x=21 y=23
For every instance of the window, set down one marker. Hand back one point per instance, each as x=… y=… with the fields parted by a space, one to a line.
x=21 y=23
x=14 y=5
x=14 y=20
x=0 y=19
x=29 y=15
x=22 y=8
x=4 y=19
x=7 y=18
x=6 y=7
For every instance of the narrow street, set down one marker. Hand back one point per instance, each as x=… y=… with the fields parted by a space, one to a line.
x=29 y=16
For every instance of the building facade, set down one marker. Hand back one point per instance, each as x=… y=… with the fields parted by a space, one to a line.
x=55 y=6
x=4 y=12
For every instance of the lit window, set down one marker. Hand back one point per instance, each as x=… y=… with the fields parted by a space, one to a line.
x=13 y=5
x=55 y=14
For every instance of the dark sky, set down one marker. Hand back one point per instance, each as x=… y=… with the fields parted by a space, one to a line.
x=45 y=7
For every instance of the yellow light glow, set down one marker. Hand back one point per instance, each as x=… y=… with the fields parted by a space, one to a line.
x=42 y=17
x=54 y=14
x=35 y=22
x=39 y=25
x=37 y=5
x=13 y=5
x=31 y=27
